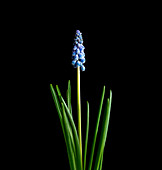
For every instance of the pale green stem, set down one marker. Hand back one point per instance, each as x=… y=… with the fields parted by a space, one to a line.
x=79 y=110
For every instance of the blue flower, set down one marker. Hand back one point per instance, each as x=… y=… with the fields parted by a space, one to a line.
x=78 y=63
x=81 y=41
x=73 y=62
x=81 y=46
x=82 y=68
x=77 y=51
x=82 y=60
x=81 y=55
x=82 y=51
x=78 y=32
x=76 y=42
x=75 y=47
x=74 y=53
x=78 y=55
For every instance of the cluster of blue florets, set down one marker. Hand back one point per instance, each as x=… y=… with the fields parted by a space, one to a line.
x=78 y=55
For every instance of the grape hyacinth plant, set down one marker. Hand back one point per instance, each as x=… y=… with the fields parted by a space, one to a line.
x=72 y=135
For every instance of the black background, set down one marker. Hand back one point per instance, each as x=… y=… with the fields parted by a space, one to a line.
x=38 y=47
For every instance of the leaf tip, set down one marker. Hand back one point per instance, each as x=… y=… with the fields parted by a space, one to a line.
x=51 y=86
x=110 y=94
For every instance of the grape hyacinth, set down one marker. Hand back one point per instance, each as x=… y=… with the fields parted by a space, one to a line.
x=73 y=136
x=78 y=55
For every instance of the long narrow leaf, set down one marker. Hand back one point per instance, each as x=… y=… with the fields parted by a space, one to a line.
x=72 y=140
x=101 y=162
x=86 y=140
x=104 y=131
x=76 y=138
x=69 y=147
x=69 y=96
x=96 y=130
x=58 y=90
x=59 y=110
x=70 y=130
x=56 y=101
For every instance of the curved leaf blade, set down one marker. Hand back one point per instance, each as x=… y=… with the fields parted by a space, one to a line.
x=96 y=130
x=76 y=138
x=86 y=139
x=69 y=147
x=104 y=131
x=69 y=97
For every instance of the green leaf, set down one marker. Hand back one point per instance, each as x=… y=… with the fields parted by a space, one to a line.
x=59 y=110
x=72 y=140
x=96 y=130
x=69 y=147
x=68 y=94
x=58 y=90
x=56 y=101
x=86 y=140
x=70 y=130
x=101 y=162
x=104 y=131
x=76 y=138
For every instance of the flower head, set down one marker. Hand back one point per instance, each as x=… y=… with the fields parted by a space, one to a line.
x=78 y=55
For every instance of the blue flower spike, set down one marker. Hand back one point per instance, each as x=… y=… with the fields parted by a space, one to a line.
x=78 y=55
